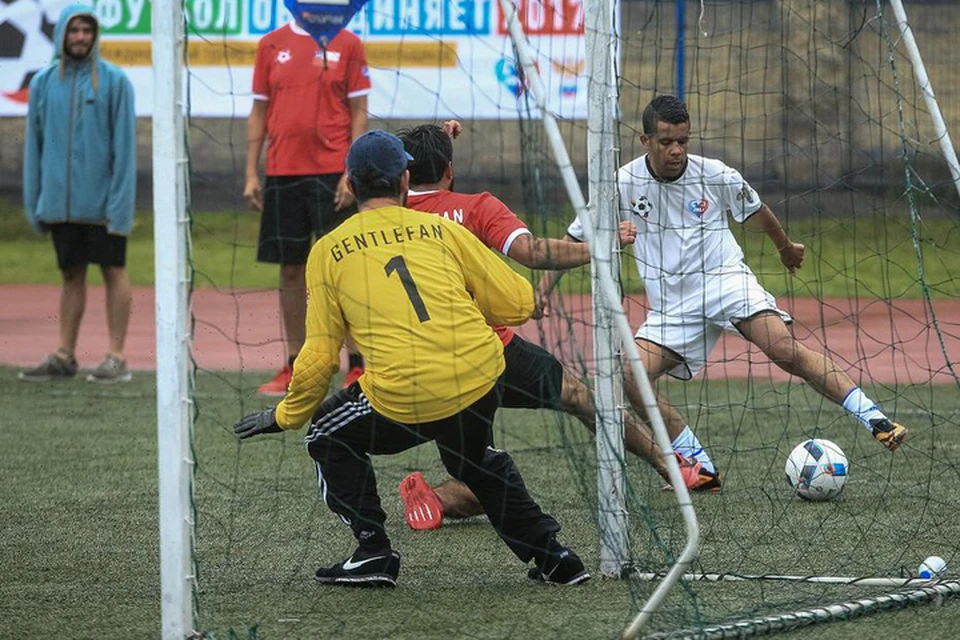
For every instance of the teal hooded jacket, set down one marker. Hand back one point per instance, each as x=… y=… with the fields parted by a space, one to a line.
x=80 y=148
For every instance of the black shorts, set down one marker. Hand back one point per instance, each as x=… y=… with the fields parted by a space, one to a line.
x=80 y=244
x=532 y=379
x=296 y=211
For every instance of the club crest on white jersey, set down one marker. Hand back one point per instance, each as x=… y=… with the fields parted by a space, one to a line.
x=698 y=206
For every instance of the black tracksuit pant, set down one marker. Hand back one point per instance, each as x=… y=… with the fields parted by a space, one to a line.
x=346 y=429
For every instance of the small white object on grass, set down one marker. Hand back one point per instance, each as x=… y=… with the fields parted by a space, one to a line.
x=932 y=567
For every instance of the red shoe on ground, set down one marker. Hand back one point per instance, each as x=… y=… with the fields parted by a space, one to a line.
x=277 y=386
x=352 y=376
x=695 y=476
x=690 y=469
x=421 y=507
x=706 y=482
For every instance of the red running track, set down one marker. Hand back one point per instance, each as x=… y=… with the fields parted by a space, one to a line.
x=891 y=342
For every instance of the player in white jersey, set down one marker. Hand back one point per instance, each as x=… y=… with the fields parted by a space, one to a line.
x=697 y=283
x=533 y=378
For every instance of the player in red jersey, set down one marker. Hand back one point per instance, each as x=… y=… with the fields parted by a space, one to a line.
x=533 y=378
x=309 y=104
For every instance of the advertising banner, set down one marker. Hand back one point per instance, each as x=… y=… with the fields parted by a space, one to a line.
x=429 y=59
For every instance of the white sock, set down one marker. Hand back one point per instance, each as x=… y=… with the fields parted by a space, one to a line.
x=862 y=408
x=688 y=446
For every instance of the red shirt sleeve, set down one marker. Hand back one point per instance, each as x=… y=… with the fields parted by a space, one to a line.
x=358 y=73
x=496 y=224
x=261 y=69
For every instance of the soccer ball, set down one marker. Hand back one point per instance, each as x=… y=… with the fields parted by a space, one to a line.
x=817 y=470
x=26 y=45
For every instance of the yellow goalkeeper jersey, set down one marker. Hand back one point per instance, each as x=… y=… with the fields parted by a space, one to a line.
x=418 y=294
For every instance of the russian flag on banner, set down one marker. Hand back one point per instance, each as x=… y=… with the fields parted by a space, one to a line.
x=323 y=19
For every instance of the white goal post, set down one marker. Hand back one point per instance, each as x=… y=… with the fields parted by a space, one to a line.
x=170 y=195
x=926 y=88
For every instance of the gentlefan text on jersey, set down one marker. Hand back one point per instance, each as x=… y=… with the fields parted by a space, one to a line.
x=384 y=238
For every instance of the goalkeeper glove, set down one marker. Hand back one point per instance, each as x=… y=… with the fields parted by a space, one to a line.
x=256 y=423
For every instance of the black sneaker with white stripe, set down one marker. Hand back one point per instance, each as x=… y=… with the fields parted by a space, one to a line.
x=363 y=570
x=563 y=568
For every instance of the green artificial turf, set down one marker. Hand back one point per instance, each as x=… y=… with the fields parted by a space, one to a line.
x=78 y=507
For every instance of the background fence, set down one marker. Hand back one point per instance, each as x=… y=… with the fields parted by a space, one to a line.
x=748 y=70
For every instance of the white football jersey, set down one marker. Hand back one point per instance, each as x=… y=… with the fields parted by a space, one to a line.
x=684 y=243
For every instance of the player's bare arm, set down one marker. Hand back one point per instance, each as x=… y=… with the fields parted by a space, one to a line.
x=555 y=253
x=256 y=136
x=359 y=109
x=791 y=253
x=549 y=282
x=358 y=126
x=503 y=295
x=627 y=233
x=548 y=253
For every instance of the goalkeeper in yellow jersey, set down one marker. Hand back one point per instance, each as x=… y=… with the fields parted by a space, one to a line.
x=417 y=293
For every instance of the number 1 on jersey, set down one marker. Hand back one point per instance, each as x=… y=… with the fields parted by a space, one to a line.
x=399 y=265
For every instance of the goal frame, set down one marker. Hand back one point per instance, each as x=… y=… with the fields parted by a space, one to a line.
x=599 y=222
x=171 y=264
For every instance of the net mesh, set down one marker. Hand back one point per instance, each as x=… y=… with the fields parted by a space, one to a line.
x=816 y=104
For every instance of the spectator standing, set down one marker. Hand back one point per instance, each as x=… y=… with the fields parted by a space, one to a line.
x=79 y=184
x=310 y=103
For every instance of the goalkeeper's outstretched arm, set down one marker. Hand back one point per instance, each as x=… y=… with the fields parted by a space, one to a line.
x=319 y=358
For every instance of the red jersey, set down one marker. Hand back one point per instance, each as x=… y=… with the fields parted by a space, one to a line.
x=308 y=113
x=482 y=214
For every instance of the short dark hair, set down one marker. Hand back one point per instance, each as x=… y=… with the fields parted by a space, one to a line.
x=372 y=184
x=85 y=18
x=432 y=151
x=668 y=109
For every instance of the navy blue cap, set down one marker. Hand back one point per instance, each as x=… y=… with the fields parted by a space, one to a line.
x=378 y=153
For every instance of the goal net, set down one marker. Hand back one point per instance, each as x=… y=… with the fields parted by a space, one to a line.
x=817 y=105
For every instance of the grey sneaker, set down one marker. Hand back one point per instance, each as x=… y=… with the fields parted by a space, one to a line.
x=54 y=367
x=111 y=370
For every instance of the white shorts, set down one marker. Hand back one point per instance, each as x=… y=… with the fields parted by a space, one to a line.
x=693 y=330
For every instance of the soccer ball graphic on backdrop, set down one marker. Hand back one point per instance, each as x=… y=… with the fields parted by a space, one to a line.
x=26 y=44
x=817 y=470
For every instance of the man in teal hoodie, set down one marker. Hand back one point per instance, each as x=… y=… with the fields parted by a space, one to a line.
x=79 y=180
